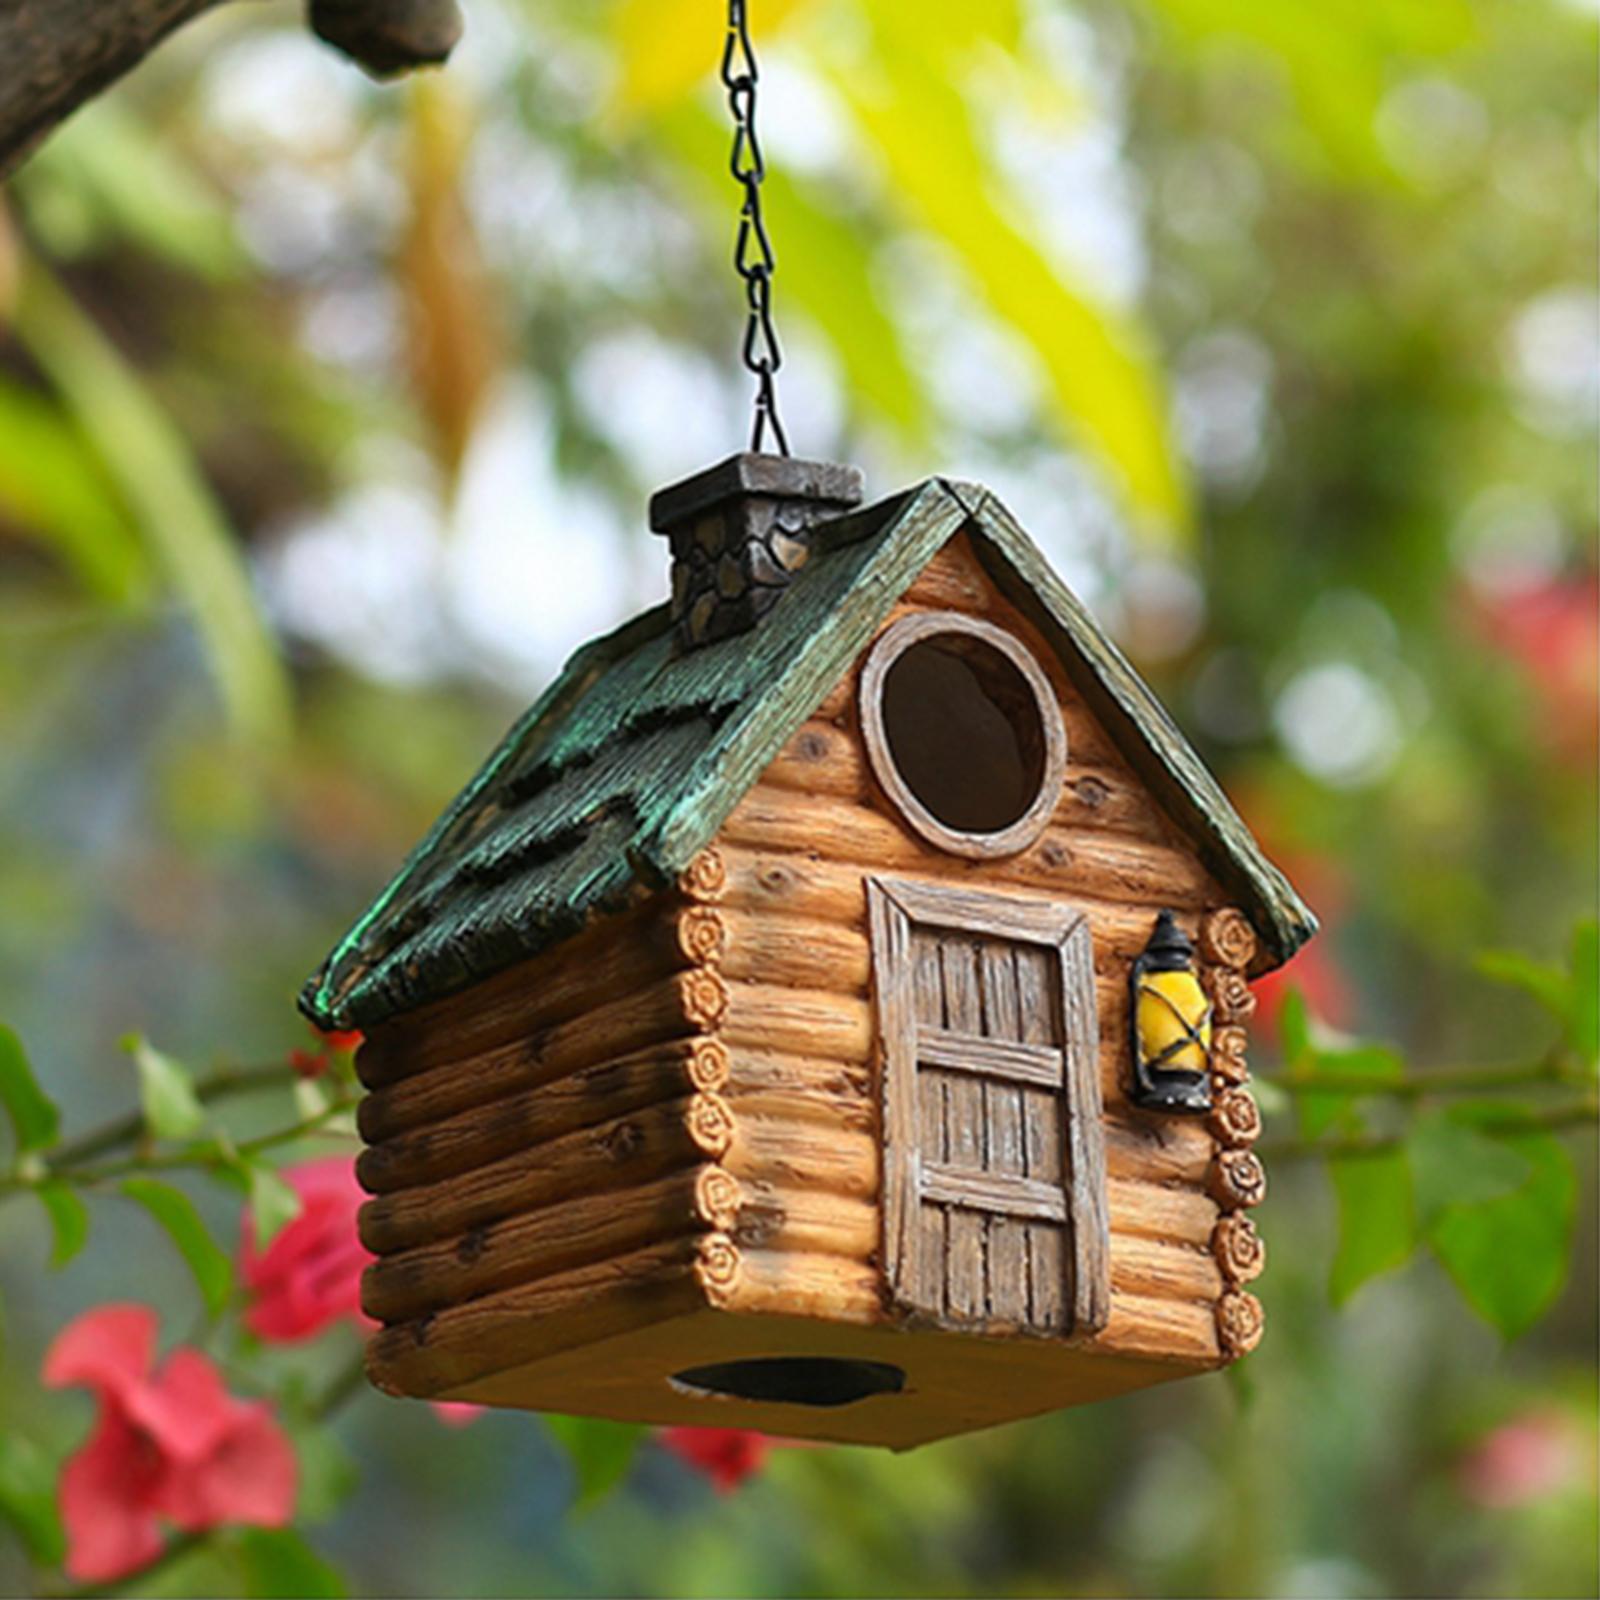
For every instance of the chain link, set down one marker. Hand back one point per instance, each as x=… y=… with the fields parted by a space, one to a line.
x=753 y=257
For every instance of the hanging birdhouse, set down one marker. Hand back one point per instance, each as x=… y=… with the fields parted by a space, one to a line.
x=824 y=1013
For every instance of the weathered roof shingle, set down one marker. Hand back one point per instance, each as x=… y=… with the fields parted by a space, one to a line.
x=633 y=758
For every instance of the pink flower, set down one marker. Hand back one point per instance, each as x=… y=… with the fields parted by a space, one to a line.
x=309 y=1277
x=1526 y=1459
x=727 y=1456
x=307 y=1063
x=171 y=1444
x=1552 y=631
x=456 y=1413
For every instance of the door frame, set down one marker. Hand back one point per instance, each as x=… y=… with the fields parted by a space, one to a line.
x=894 y=907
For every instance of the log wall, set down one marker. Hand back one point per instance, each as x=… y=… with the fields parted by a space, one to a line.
x=681 y=1103
x=786 y=881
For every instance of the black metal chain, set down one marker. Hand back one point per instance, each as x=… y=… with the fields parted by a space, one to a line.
x=753 y=258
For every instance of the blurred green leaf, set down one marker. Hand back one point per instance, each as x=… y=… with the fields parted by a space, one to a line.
x=1242 y=1381
x=1583 y=1025
x=1340 y=58
x=52 y=487
x=1099 y=364
x=125 y=180
x=175 y=1212
x=1294 y=1029
x=278 y=1564
x=69 y=1220
x=152 y=466
x=28 y=1498
x=1509 y=1256
x=1376 y=1062
x=273 y=1203
x=1454 y=1163
x=1307 y=1051
x=826 y=268
x=1377 y=1219
x=668 y=48
x=166 y=1091
x=328 y=1473
x=35 y=1121
x=600 y=1452
x=1571 y=994
x=1549 y=985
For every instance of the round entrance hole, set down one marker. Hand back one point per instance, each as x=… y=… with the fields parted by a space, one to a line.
x=794 y=1380
x=964 y=733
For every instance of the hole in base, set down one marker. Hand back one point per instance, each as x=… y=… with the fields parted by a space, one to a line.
x=795 y=1380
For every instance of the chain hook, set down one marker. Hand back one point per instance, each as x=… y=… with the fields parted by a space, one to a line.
x=753 y=256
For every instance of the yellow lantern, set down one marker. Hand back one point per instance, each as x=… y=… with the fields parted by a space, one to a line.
x=1171 y=1024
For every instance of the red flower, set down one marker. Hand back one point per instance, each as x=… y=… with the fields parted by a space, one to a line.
x=308 y=1063
x=456 y=1413
x=171 y=1445
x=727 y=1456
x=309 y=1277
x=1529 y=1458
x=1314 y=970
x=1315 y=973
x=1553 y=632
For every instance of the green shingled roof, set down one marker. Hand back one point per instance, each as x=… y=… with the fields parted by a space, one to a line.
x=633 y=758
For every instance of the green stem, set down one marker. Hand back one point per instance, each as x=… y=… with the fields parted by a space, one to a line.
x=1553 y=1118
x=205 y=1155
x=1463 y=1080
x=221 y=1085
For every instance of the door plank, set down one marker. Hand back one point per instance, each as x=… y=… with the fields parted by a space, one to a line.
x=927 y=1286
x=897 y=1028
x=991 y=1058
x=1006 y=1260
x=1091 y=1226
x=1043 y=1140
x=1002 y=1197
x=964 y=1130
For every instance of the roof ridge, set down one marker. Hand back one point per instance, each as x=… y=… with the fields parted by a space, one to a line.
x=592 y=790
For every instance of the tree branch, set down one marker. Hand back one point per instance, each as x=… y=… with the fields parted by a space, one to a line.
x=1579 y=1114
x=221 y=1085
x=1464 y=1080
x=56 y=54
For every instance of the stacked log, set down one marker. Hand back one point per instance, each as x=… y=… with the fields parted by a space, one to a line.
x=1237 y=1180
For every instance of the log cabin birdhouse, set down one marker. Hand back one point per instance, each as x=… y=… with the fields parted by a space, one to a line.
x=824 y=1013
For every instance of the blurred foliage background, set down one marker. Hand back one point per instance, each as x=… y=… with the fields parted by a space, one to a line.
x=327 y=414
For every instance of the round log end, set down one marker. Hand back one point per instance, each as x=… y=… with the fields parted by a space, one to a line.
x=1240 y=1323
x=705 y=999
x=708 y=1065
x=702 y=935
x=1239 y=1249
x=1228 y=1049
x=1231 y=995
x=1238 y=1180
x=1236 y=1118
x=718 y=1197
x=1227 y=938
x=710 y=1124
x=717 y=1266
x=705 y=878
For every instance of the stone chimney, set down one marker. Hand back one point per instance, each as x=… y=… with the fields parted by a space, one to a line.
x=738 y=531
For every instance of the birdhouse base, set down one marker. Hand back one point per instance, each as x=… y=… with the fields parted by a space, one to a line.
x=805 y=1378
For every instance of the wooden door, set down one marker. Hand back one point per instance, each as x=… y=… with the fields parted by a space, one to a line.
x=994 y=1162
